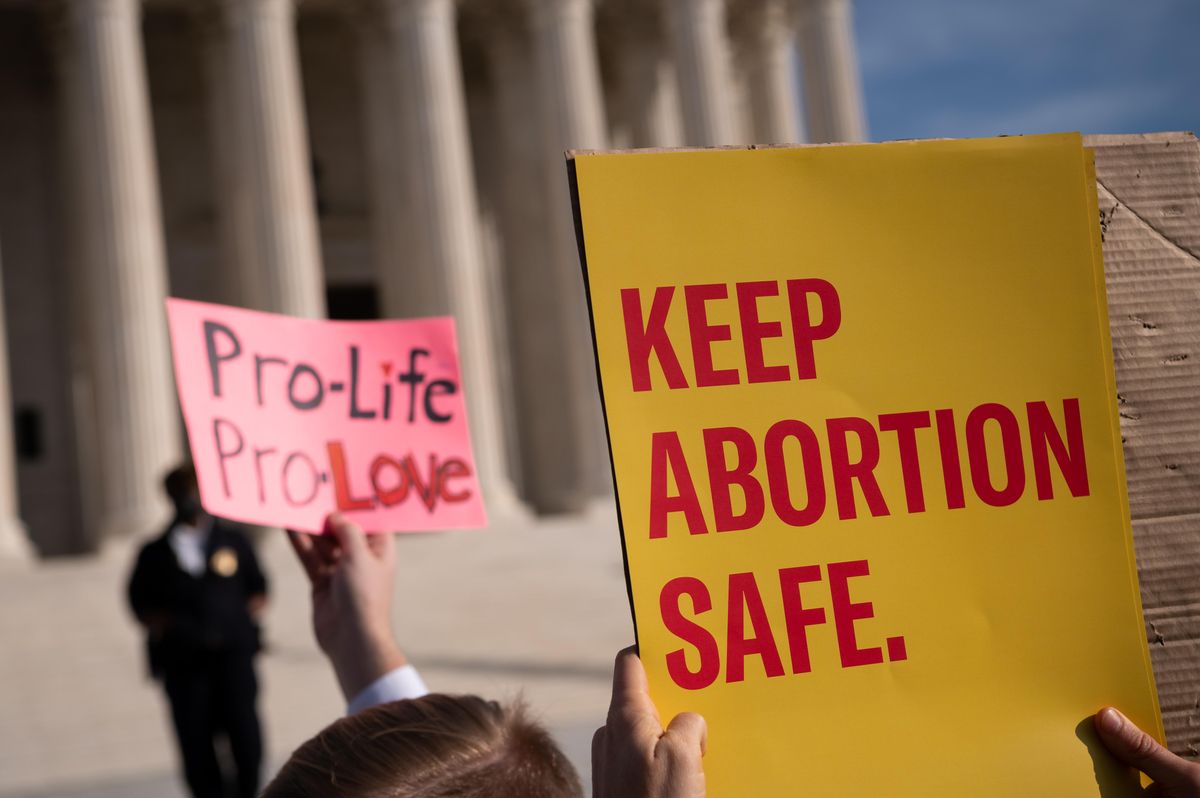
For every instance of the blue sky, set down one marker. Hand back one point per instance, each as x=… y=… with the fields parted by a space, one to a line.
x=979 y=67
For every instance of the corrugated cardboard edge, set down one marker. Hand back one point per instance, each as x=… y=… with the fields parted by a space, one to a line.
x=571 y=155
x=1148 y=187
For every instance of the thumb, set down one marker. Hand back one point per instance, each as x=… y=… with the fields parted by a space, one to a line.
x=348 y=534
x=687 y=732
x=1134 y=747
x=631 y=692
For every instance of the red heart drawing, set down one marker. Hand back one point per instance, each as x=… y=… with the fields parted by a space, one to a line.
x=387 y=369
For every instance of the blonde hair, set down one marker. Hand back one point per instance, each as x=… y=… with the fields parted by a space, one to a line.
x=438 y=746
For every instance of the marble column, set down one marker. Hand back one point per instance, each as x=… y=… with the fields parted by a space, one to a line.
x=116 y=227
x=766 y=56
x=832 y=88
x=425 y=222
x=696 y=29
x=235 y=218
x=403 y=292
x=525 y=277
x=267 y=218
x=14 y=538
x=571 y=459
x=648 y=85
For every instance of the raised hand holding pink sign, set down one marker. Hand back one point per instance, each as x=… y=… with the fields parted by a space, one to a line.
x=290 y=419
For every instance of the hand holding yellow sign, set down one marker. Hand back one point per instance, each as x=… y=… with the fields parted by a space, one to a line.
x=861 y=410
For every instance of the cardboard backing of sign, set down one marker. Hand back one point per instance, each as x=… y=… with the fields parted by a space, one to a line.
x=1149 y=195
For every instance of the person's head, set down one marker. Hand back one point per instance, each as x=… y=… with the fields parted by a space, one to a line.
x=438 y=746
x=184 y=492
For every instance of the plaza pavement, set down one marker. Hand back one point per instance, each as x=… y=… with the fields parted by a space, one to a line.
x=531 y=608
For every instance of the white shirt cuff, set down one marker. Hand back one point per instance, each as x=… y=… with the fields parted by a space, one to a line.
x=397 y=685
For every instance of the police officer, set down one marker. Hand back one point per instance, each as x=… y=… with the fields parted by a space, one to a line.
x=197 y=589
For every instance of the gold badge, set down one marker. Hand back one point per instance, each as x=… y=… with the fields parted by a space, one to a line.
x=224 y=562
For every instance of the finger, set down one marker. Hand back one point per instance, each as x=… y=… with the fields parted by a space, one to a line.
x=631 y=691
x=327 y=548
x=599 y=762
x=305 y=552
x=349 y=535
x=1134 y=747
x=383 y=546
x=688 y=732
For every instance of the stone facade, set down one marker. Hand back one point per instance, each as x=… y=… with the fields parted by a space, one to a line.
x=357 y=159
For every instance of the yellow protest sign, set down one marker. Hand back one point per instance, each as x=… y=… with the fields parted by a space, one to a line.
x=862 y=417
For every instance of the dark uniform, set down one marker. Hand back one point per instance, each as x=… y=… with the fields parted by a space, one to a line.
x=201 y=644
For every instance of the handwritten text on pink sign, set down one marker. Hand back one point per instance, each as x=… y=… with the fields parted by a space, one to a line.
x=290 y=419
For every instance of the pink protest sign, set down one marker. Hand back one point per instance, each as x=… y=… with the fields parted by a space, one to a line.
x=290 y=419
